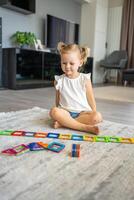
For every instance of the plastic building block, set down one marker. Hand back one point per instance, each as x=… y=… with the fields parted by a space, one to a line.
x=9 y=152
x=88 y=138
x=132 y=140
x=127 y=140
x=42 y=144
x=114 y=139
x=17 y=133
x=56 y=147
x=6 y=132
x=34 y=146
x=75 y=150
x=101 y=139
x=77 y=137
x=40 y=135
x=65 y=136
x=29 y=134
x=20 y=149
x=53 y=135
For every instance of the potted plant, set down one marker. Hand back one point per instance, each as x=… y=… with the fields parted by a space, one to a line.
x=24 y=39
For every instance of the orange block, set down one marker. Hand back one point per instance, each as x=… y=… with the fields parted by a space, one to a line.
x=40 y=135
x=42 y=144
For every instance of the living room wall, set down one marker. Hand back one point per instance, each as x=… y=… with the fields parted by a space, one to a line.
x=13 y=21
x=94 y=32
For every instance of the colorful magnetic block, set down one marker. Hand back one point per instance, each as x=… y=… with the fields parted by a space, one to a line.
x=65 y=136
x=17 y=133
x=56 y=146
x=9 y=152
x=40 y=135
x=88 y=138
x=77 y=137
x=132 y=140
x=42 y=144
x=53 y=135
x=29 y=134
x=127 y=140
x=6 y=132
x=75 y=150
x=78 y=150
x=22 y=148
x=34 y=146
x=101 y=139
x=113 y=139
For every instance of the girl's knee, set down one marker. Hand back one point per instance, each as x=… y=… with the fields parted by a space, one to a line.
x=97 y=117
x=53 y=112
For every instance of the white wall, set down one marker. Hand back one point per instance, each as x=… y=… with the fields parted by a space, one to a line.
x=94 y=31
x=114 y=25
x=100 y=38
x=101 y=23
x=13 y=21
x=87 y=28
x=115 y=3
x=114 y=29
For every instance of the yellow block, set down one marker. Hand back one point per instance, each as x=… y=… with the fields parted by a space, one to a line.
x=65 y=136
x=127 y=140
x=88 y=138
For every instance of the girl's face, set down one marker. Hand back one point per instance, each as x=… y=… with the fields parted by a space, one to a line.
x=70 y=62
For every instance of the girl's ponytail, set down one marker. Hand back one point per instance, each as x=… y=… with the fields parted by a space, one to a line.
x=85 y=53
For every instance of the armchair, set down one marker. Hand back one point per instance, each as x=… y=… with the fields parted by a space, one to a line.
x=117 y=60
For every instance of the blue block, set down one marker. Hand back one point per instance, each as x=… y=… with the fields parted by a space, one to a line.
x=74 y=147
x=77 y=137
x=35 y=147
x=73 y=153
x=53 y=135
x=56 y=147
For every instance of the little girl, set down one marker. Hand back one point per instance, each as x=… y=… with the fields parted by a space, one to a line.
x=75 y=104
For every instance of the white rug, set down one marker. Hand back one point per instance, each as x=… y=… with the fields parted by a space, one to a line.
x=115 y=93
x=105 y=171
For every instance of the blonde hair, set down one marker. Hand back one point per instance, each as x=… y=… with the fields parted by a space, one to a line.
x=65 y=48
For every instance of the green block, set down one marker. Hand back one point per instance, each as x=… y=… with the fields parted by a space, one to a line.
x=101 y=139
x=6 y=132
x=114 y=139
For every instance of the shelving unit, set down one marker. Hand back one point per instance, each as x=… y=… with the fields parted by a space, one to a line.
x=0 y=51
x=27 y=68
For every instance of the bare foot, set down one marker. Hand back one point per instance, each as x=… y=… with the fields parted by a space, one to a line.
x=92 y=129
x=57 y=125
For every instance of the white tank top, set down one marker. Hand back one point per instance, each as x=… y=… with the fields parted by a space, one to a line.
x=73 y=93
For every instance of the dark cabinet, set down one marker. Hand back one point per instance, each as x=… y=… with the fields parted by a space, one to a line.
x=0 y=51
x=26 y=68
x=22 y=6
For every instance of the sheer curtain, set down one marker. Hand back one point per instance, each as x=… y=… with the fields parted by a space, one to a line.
x=127 y=31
